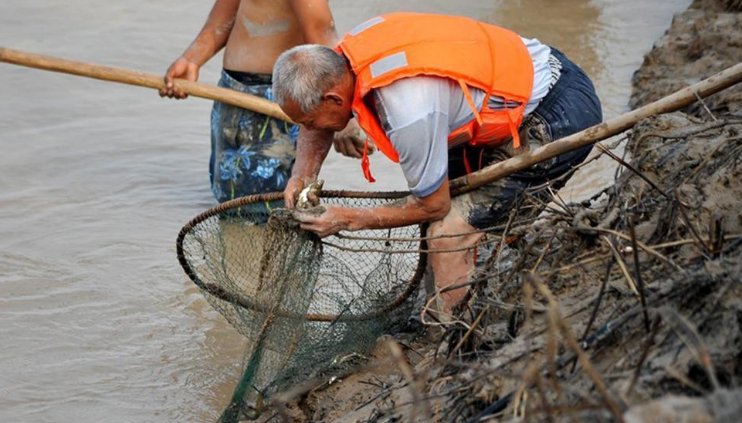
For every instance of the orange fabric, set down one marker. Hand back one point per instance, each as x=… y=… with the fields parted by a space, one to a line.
x=401 y=45
x=365 y=164
x=467 y=166
x=470 y=100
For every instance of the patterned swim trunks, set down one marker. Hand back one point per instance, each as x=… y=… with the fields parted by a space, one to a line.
x=251 y=153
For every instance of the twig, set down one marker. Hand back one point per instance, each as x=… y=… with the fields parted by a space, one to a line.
x=690 y=337
x=622 y=265
x=686 y=241
x=691 y=227
x=703 y=103
x=633 y=169
x=594 y=313
x=597 y=257
x=685 y=131
x=469 y=331
x=637 y=272
x=612 y=405
x=543 y=253
x=645 y=353
x=649 y=250
x=684 y=379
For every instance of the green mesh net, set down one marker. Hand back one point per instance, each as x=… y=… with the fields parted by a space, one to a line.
x=304 y=304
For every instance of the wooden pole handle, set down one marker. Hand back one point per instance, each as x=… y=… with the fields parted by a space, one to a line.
x=675 y=101
x=131 y=77
x=672 y=102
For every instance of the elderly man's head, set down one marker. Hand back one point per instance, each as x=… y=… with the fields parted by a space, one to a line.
x=314 y=86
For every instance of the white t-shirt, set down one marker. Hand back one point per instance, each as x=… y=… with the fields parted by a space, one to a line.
x=419 y=113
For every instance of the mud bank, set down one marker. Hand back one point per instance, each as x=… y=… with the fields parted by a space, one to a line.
x=626 y=307
x=701 y=41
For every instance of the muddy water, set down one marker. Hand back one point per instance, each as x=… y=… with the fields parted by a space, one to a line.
x=97 y=321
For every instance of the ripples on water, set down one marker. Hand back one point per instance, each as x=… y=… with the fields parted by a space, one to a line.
x=97 y=320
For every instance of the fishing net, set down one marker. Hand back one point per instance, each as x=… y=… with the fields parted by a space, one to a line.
x=308 y=307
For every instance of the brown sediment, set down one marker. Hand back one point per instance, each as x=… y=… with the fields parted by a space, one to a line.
x=700 y=42
x=626 y=307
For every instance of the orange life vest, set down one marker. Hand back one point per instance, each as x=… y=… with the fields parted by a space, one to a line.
x=401 y=45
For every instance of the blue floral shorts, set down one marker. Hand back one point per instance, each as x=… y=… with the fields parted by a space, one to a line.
x=251 y=153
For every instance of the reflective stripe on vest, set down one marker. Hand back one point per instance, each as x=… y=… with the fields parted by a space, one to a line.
x=476 y=55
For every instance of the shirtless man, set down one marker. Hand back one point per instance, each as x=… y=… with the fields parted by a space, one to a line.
x=250 y=152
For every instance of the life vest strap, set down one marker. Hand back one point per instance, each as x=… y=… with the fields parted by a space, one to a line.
x=470 y=100
x=467 y=165
x=365 y=164
x=513 y=128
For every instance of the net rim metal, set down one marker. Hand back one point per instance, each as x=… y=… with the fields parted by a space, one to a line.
x=412 y=284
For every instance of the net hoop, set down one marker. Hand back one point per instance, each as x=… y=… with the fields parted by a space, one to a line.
x=242 y=301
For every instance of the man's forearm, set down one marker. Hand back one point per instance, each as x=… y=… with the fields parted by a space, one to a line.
x=311 y=149
x=387 y=217
x=409 y=211
x=215 y=32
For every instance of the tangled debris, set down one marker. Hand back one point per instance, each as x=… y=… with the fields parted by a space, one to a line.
x=607 y=305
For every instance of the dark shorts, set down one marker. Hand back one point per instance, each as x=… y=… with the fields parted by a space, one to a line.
x=570 y=106
x=251 y=153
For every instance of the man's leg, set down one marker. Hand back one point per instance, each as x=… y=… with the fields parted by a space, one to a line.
x=454 y=264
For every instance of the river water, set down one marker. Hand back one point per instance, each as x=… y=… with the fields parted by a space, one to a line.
x=97 y=320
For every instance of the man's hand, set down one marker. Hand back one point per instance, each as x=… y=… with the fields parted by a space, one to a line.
x=182 y=68
x=332 y=221
x=292 y=190
x=350 y=141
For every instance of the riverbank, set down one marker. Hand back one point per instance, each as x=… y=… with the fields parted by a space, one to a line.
x=627 y=306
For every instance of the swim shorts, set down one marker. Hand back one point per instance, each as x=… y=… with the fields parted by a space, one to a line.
x=251 y=153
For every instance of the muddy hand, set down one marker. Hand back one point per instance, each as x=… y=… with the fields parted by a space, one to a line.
x=320 y=220
x=291 y=193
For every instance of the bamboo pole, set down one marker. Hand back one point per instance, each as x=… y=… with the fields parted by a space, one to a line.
x=675 y=101
x=672 y=102
x=142 y=79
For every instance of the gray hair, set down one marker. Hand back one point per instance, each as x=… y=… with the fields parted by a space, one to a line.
x=304 y=73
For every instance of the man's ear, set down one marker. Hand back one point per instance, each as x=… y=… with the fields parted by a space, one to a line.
x=333 y=97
